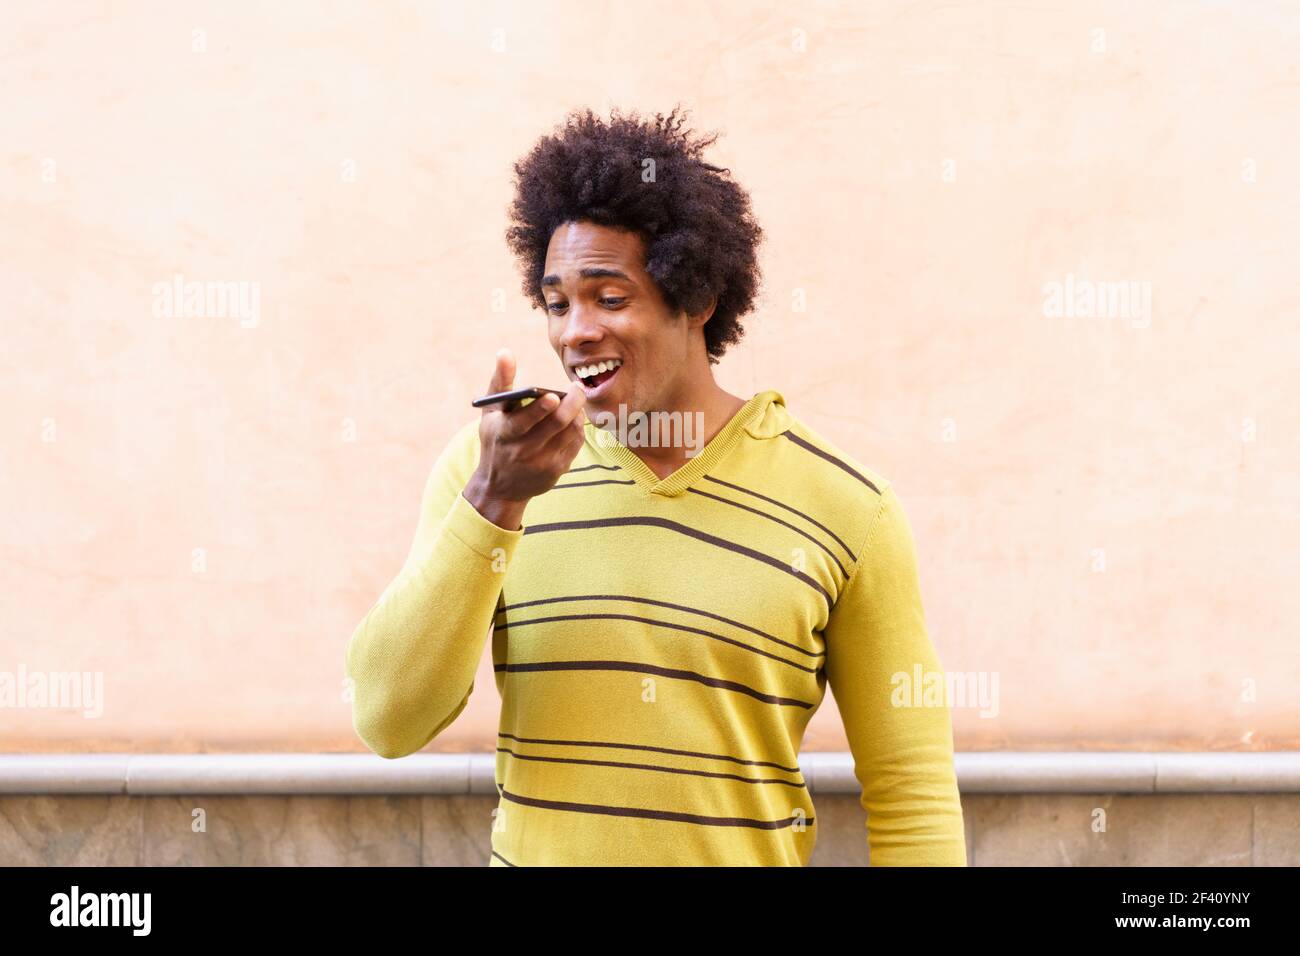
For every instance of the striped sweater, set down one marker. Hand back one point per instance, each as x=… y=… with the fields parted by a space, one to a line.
x=660 y=645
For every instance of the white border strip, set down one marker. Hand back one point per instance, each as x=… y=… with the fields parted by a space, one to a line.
x=998 y=772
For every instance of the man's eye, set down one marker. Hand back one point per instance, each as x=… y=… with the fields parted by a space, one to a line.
x=608 y=301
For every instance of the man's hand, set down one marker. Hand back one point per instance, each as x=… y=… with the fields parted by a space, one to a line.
x=524 y=450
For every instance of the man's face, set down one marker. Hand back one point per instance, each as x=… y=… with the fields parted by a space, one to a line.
x=601 y=304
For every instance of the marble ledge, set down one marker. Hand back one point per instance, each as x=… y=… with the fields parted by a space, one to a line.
x=826 y=772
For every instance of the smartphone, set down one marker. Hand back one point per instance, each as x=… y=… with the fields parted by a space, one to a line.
x=517 y=394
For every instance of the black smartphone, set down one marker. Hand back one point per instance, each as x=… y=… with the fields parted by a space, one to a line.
x=536 y=391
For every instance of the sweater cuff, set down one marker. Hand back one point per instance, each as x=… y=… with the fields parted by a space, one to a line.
x=477 y=533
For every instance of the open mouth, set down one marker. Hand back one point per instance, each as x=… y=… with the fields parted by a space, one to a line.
x=596 y=375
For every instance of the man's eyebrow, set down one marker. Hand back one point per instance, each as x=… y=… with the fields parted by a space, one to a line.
x=591 y=272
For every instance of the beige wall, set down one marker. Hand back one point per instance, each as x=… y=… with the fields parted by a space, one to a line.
x=922 y=171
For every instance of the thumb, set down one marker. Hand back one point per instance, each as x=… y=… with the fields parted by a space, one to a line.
x=503 y=376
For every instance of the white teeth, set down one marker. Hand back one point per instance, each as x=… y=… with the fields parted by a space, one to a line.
x=586 y=371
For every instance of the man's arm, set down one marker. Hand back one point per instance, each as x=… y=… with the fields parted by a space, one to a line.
x=903 y=755
x=414 y=656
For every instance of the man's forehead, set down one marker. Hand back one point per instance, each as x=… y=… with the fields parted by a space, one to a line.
x=603 y=254
x=584 y=274
x=584 y=239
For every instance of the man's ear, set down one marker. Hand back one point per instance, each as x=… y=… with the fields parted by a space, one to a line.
x=699 y=318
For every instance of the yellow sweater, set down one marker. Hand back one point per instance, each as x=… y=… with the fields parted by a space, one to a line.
x=660 y=646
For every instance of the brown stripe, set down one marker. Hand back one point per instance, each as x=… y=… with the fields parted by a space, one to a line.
x=662 y=750
x=588 y=484
x=653 y=814
x=779 y=504
x=651 y=669
x=831 y=458
x=574 y=471
x=502 y=858
x=690 y=533
x=676 y=607
x=646 y=766
x=502 y=628
x=764 y=514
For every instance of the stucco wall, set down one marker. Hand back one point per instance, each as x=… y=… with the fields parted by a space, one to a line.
x=201 y=509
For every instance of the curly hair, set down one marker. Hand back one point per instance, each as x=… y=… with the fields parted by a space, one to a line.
x=700 y=236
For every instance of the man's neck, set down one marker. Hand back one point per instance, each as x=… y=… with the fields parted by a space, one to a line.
x=718 y=407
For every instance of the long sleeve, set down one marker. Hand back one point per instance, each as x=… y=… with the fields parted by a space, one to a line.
x=876 y=641
x=413 y=657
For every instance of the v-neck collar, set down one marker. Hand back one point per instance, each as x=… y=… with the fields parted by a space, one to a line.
x=693 y=469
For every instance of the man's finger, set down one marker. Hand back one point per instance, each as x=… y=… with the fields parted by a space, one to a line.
x=522 y=418
x=503 y=376
x=566 y=414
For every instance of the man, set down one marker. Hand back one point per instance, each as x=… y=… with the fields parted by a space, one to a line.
x=664 y=619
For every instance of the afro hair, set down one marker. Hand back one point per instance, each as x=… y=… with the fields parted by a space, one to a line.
x=646 y=176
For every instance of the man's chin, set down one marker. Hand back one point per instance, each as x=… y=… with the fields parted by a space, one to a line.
x=605 y=411
x=608 y=401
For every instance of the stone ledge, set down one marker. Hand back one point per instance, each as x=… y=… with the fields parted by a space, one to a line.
x=826 y=772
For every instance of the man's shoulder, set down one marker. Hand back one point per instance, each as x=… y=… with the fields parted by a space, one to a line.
x=818 y=478
x=827 y=463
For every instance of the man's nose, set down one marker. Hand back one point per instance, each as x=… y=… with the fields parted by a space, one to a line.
x=582 y=324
